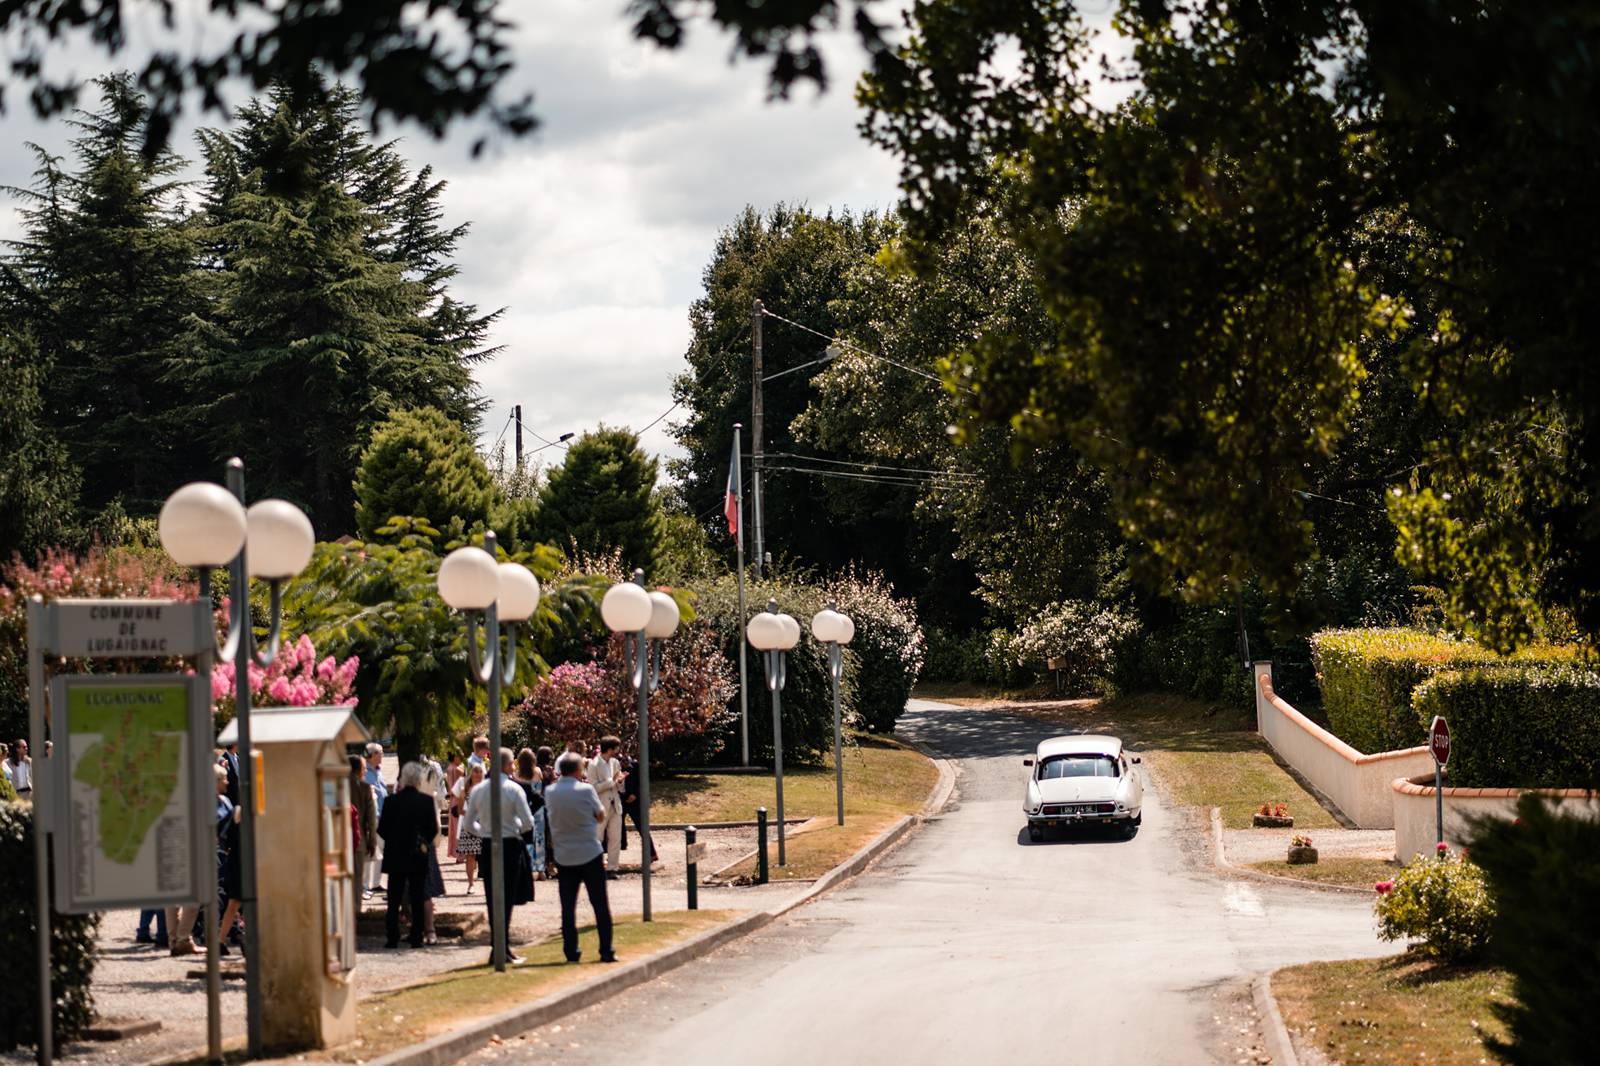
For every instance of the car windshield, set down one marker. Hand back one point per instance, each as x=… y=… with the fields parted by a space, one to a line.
x=1056 y=766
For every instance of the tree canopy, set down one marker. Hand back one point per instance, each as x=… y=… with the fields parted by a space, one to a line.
x=420 y=464
x=601 y=500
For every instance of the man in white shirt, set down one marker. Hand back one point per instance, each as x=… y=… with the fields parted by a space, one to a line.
x=575 y=815
x=605 y=774
x=504 y=868
x=480 y=755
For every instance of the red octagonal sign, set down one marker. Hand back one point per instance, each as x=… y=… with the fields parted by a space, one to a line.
x=1439 y=740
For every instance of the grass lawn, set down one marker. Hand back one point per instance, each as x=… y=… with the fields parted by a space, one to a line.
x=1206 y=754
x=1363 y=873
x=883 y=779
x=813 y=853
x=1403 y=1009
x=973 y=694
x=407 y=1016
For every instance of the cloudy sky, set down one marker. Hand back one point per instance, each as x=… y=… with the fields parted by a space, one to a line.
x=593 y=232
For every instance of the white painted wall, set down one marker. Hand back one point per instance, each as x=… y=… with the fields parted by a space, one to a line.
x=1359 y=785
x=1415 y=817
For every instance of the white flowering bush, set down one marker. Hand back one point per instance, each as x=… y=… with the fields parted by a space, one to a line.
x=1081 y=637
x=889 y=645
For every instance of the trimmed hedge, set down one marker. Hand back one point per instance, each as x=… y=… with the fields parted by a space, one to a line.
x=1532 y=728
x=1368 y=677
x=71 y=944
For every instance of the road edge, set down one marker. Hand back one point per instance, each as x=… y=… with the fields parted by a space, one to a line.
x=1219 y=858
x=453 y=1046
x=1280 y=1045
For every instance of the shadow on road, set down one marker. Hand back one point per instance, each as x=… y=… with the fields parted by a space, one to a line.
x=968 y=734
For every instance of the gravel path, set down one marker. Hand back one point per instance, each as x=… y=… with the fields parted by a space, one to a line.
x=138 y=981
x=1245 y=846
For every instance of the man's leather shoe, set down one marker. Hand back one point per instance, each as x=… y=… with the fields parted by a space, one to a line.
x=609 y=958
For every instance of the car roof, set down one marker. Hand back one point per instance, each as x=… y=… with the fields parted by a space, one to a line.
x=1080 y=744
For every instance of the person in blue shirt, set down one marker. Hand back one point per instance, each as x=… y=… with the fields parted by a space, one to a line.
x=372 y=874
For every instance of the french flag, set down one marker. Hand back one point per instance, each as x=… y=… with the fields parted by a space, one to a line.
x=730 y=506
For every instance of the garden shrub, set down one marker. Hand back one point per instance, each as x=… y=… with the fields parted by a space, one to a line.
x=586 y=700
x=1368 y=676
x=1081 y=635
x=1188 y=648
x=808 y=696
x=981 y=656
x=888 y=645
x=1544 y=872
x=72 y=950
x=1444 y=902
x=1530 y=728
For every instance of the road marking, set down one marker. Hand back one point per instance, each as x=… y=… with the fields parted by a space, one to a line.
x=1240 y=898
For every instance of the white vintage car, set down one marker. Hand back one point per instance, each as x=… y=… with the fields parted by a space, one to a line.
x=1082 y=780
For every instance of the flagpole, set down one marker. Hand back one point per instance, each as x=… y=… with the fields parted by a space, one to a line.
x=744 y=694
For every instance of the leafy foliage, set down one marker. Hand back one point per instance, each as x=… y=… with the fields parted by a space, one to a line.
x=1368 y=678
x=888 y=646
x=1536 y=867
x=376 y=600
x=1081 y=638
x=602 y=499
x=689 y=711
x=1287 y=197
x=1517 y=728
x=420 y=463
x=38 y=482
x=72 y=945
x=1444 y=902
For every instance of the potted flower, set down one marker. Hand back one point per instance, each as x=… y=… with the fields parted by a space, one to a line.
x=1272 y=816
x=1301 y=851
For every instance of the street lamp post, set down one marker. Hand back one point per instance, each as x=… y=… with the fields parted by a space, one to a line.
x=471 y=581
x=835 y=630
x=774 y=634
x=206 y=527
x=644 y=619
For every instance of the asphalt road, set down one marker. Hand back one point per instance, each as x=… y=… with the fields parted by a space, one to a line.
x=971 y=945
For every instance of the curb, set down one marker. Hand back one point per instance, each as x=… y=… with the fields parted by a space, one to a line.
x=453 y=1046
x=1220 y=859
x=1279 y=1044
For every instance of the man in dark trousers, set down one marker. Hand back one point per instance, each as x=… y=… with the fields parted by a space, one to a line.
x=575 y=815
x=408 y=826
x=630 y=803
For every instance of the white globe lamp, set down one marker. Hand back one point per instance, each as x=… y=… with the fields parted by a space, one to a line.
x=469 y=579
x=278 y=539
x=827 y=625
x=202 y=524
x=626 y=608
x=765 y=632
x=519 y=593
x=663 y=616
x=791 y=632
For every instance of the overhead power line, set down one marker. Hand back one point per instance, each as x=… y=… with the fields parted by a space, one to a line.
x=842 y=343
x=874 y=466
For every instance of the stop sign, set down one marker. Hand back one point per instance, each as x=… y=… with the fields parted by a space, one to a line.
x=1439 y=740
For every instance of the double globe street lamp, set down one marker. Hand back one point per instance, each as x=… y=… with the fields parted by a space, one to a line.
x=774 y=634
x=835 y=630
x=206 y=527
x=644 y=619
x=473 y=582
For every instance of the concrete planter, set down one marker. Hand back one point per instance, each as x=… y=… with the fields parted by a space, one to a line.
x=1272 y=821
x=1302 y=856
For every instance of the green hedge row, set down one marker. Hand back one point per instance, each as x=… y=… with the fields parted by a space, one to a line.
x=1532 y=728
x=1368 y=676
x=71 y=945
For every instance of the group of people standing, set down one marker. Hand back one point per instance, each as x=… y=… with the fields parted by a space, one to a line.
x=560 y=817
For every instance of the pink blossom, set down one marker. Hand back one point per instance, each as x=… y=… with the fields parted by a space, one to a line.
x=347 y=669
x=58 y=572
x=1441 y=847
x=304 y=692
x=278 y=690
x=326 y=669
x=1383 y=887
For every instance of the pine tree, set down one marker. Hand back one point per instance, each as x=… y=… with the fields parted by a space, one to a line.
x=420 y=464
x=602 y=500
x=327 y=279
x=38 y=483
x=104 y=267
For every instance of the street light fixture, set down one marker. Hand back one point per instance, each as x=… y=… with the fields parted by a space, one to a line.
x=774 y=634
x=645 y=619
x=471 y=581
x=835 y=630
x=205 y=526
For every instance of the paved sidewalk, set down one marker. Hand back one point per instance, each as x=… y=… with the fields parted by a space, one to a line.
x=138 y=981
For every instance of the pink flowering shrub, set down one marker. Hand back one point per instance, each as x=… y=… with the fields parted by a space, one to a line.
x=296 y=678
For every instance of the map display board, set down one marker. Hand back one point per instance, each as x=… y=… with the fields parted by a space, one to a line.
x=133 y=770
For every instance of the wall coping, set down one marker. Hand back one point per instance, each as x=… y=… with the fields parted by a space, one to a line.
x=1342 y=749
x=1422 y=786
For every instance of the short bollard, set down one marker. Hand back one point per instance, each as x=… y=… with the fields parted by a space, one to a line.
x=691 y=854
x=761 y=845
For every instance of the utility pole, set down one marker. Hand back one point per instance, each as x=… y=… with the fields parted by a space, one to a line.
x=516 y=413
x=755 y=435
